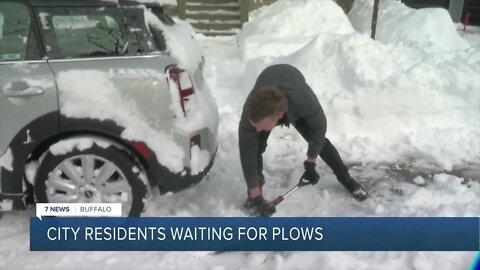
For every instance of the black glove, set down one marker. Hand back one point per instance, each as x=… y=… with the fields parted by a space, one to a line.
x=258 y=206
x=310 y=173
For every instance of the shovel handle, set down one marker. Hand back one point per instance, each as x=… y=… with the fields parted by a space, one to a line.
x=301 y=183
x=277 y=200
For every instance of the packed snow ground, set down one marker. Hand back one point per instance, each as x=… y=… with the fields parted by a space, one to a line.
x=409 y=184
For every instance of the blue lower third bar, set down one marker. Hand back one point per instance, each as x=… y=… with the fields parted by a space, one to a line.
x=254 y=234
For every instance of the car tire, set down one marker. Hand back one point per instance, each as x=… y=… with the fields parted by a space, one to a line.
x=94 y=174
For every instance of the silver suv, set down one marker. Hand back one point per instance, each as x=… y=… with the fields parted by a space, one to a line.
x=96 y=107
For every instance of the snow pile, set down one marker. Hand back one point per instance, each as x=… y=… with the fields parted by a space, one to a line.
x=6 y=160
x=432 y=28
x=389 y=102
x=419 y=181
x=98 y=98
x=180 y=40
x=6 y=205
x=286 y=25
x=438 y=197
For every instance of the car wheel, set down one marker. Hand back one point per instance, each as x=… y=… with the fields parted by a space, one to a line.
x=92 y=175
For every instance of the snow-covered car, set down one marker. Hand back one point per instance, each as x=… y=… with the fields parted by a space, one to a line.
x=99 y=102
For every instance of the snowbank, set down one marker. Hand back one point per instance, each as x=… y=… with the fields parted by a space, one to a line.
x=286 y=25
x=438 y=197
x=431 y=28
x=388 y=102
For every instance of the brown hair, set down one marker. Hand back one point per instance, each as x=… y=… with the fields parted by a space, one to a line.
x=265 y=102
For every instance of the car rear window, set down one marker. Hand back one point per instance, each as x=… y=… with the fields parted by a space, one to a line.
x=72 y=32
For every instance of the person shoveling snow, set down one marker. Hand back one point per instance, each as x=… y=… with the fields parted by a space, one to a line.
x=282 y=97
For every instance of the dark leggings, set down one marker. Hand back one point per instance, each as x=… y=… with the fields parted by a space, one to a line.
x=329 y=153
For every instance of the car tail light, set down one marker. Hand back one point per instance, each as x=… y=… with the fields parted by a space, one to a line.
x=184 y=84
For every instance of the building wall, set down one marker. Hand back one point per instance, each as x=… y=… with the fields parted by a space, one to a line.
x=427 y=3
x=346 y=5
x=472 y=7
x=254 y=4
x=248 y=5
x=454 y=7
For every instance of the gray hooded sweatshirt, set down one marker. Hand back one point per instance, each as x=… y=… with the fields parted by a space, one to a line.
x=303 y=106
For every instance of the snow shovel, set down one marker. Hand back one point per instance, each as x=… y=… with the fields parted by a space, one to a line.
x=278 y=200
x=301 y=183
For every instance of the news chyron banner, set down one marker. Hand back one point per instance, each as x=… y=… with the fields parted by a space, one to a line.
x=79 y=209
x=106 y=231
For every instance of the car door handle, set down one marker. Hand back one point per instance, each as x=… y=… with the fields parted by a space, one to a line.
x=31 y=91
